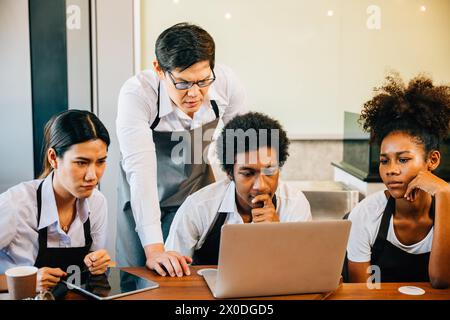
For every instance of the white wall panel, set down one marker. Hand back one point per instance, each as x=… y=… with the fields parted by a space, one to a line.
x=16 y=132
x=114 y=65
x=305 y=62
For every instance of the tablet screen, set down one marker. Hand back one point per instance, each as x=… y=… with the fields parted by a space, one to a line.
x=115 y=283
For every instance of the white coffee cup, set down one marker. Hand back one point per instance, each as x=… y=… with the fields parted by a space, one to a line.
x=21 y=282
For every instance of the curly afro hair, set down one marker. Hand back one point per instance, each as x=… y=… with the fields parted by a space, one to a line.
x=420 y=109
x=237 y=133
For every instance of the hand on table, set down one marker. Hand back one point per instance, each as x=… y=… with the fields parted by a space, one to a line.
x=167 y=262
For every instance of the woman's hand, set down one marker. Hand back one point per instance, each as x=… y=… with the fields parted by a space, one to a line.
x=47 y=278
x=98 y=262
x=427 y=182
x=164 y=262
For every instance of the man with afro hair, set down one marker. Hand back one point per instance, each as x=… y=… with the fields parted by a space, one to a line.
x=251 y=149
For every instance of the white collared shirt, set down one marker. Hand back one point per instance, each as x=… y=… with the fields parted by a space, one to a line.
x=137 y=110
x=195 y=216
x=18 y=223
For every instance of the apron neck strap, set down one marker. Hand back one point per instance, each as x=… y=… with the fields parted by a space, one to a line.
x=43 y=232
x=39 y=202
x=215 y=108
x=157 y=119
x=389 y=211
x=385 y=220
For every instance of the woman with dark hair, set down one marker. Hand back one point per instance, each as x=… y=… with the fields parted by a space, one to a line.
x=60 y=219
x=183 y=96
x=404 y=232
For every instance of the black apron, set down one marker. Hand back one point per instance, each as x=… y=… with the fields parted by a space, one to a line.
x=208 y=254
x=395 y=264
x=60 y=257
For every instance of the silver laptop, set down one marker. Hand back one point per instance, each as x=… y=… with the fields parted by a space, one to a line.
x=279 y=258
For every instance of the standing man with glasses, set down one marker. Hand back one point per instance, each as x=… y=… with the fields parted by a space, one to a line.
x=184 y=96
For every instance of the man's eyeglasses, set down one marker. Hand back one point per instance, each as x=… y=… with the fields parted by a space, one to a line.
x=185 y=85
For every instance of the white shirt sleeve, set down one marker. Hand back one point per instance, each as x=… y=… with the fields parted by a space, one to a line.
x=237 y=97
x=7 y=220
x=134 y=118
x=99 y=226
x=185 y=230
x=304 y=208
x=359 y=244
x=293 y=205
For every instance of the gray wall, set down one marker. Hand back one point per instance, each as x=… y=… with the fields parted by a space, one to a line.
x=16 y=142
x=309 y=160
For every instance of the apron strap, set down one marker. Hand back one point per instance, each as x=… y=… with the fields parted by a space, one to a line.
x=432 y=208
x=385 y=220
x=274 y=201
x=209 y=252
x=157 y=119
x=397 y=265
x=42 y=239
x=215 y=108
x=87 y=233
x=43 y=233
x=389 y=211
x=378 y=246
x=217 y=225
x=39 y=202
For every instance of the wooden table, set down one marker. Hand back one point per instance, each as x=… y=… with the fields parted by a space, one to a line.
x=193 y=287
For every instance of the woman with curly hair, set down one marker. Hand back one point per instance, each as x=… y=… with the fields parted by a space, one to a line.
x=405 y=229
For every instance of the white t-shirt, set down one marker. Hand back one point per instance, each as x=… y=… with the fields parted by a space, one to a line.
x=195 y=216
x=366 y=220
